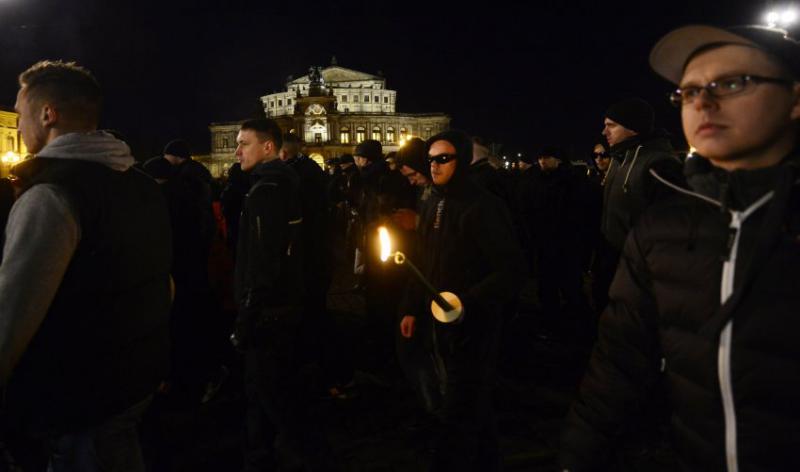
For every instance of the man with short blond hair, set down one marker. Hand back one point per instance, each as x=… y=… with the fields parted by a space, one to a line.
x=706 y=295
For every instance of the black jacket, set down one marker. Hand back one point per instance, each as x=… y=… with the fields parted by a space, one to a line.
x=103 y=345
x=708 y=291
x=313 y=231
x=557 y=208
x=629 y=188
x=269 y=261
x=466 y=245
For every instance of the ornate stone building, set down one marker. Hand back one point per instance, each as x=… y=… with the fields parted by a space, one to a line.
x=333 y=109
x=12 y=150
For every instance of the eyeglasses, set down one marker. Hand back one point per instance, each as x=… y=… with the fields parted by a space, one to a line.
x=724 y=87
x=601 y=155
x=441 y=158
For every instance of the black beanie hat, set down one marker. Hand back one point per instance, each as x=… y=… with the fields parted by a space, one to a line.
x=462 y=142
x=415 y=155
x=633 y=113
x=179 y=148
x=346 y=158
x=553 y=151
x=370 y=149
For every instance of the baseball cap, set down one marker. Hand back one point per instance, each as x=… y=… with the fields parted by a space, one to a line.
x=671 y=53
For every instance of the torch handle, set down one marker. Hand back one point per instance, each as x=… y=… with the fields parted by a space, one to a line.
x=431 y=289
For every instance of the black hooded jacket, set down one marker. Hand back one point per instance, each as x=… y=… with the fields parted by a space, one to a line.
x=629 y=188
x=707 y=296
x=466 y=246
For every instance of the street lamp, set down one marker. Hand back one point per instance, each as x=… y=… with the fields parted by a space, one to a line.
x=10 y=158
x=781 y=18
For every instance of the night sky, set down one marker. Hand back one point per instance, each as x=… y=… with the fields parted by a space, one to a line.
x=524 y=76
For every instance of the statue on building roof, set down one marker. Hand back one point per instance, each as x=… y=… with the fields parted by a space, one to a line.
x=315 y=76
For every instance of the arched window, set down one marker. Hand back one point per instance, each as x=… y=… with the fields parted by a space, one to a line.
x=376 y=133
x=390 y=134
x=361 y=134
x=403 y=134
x=344 y=135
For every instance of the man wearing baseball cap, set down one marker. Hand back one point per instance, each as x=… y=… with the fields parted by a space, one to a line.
x=706 y=295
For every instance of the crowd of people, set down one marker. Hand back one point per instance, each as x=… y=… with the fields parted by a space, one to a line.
x=122 y=281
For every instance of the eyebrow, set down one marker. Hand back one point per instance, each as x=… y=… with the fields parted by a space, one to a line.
x=726 y=75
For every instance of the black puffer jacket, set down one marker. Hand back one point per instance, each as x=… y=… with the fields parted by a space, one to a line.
x=710 y=282
x=629 y=189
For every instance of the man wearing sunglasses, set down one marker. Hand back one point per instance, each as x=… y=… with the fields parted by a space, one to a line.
x=705 y=301
x=466 y=246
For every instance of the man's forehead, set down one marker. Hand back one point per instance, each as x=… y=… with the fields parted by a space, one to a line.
x=730 y=59
x=441 y=144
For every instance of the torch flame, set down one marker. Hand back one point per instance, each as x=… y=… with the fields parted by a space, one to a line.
x=386 y=243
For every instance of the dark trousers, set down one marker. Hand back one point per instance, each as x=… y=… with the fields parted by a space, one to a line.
x=420 y=364
x=468 y=437
x=113 y=446
x=278 y=387
x=604 y=266
x=560 y=276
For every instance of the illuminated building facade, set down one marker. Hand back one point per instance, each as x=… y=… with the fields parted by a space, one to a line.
x=333 y=109
x=12 y=150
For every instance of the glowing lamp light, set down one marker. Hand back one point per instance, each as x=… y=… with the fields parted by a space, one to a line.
x=10 y=157
x=772 y=18
x=783 y=19
x=788 y=17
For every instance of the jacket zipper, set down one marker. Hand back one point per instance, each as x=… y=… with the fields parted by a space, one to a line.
x=724 y=352
x=725 y=339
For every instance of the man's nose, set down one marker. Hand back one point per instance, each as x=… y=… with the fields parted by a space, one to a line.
x=703 y=100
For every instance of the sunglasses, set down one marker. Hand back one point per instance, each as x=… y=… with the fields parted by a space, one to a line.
x=441 y=158
x=602 y=155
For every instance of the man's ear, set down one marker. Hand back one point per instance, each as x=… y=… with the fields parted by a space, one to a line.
x=795 y=113
x=48 y=115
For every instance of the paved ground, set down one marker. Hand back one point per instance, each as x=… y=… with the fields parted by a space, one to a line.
x=379 y=431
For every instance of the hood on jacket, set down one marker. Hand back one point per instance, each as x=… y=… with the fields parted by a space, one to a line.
x=462 y=143
x=95 y=146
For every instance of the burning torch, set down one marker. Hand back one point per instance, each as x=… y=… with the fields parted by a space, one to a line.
x=445 y=306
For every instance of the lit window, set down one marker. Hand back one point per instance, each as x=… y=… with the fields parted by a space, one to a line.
x=344 y=136
x=361 y=134
x=403 y=134
x=427 y=132
x=376 y=133
x=390 y=134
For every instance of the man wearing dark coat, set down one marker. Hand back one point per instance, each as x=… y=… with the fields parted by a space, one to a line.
x=467 y=247
x=705 y=302
x=269 y=291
